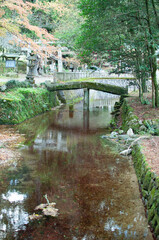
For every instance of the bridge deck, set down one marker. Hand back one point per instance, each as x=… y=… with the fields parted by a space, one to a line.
x=89 y=85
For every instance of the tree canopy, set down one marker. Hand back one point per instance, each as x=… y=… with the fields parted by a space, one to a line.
x=124 y=33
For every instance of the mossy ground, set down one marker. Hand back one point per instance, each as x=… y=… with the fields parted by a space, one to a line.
x=23 y=103
x=93 y=79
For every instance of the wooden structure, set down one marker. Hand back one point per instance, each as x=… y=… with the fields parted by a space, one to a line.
x=11 y=61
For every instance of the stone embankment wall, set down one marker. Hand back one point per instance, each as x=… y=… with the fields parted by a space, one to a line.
x=148 y=180
x=149 y=186
x=24 y=103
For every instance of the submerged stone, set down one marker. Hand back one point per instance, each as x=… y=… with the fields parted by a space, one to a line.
x=35 y=216
x=48 y=209
x=44 y=205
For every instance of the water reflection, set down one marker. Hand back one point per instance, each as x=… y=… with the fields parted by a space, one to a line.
x=14 y=196
x=86 y=120
x=52 y=140
x=118 y=230
x=13 y=215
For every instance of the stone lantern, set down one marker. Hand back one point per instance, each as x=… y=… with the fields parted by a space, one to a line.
x=32 y=66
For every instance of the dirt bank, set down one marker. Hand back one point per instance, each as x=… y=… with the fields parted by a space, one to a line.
x=146 y=112
x=9 y=142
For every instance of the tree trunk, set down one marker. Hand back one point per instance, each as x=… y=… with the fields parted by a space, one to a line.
x=154 y=80
x=153 y=95
x=143 y=83
x=155 y=12
x=153 y=62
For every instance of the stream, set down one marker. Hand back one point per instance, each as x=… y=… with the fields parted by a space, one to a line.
x=94 y=188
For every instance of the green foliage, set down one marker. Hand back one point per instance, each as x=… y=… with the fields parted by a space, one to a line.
x=9 y=13
x=68 y=25
x=17 y=84
x=74 y=100
x=152 y=129
x=47 y=20
x=22 y=67
x=145 y=101
x=29 y=33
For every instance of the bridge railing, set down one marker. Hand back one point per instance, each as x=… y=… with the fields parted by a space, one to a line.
x=66 y=76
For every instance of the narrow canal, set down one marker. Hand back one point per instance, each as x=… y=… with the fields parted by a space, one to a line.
x=94 y=188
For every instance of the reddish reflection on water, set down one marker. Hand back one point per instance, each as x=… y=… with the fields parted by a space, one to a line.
x=95 y=189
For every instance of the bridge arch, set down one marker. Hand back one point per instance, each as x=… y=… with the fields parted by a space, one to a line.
x=87 y=85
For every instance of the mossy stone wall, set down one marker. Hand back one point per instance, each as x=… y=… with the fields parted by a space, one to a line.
x=24 y=103
x=149 y=185
x=129 y=120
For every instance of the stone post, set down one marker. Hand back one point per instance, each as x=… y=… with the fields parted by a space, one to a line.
x=86 y=99
x=59 y=60
x=32 y=65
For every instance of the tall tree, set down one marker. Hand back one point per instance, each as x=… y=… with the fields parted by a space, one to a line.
x=125 y=32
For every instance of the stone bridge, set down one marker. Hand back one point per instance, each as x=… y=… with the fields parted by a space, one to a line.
x=86 y=85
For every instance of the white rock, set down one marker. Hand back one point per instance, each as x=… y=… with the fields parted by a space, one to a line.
x=130 y=132
x=126 y=152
